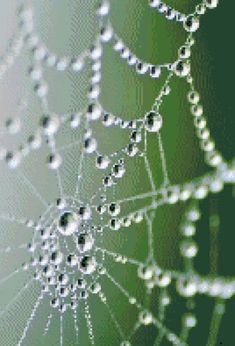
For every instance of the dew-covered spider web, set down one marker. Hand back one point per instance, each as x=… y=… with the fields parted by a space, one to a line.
x=91 y=203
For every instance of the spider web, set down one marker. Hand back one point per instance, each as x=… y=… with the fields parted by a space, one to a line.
x=75 y=254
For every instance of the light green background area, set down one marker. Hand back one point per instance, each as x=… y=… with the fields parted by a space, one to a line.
x=68 y=27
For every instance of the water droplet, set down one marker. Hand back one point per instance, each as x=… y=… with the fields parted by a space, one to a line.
x=182 y=68
x=85 y=242
x=191 y=23
x=88 y=265
x=153 y=122
x=68 y=223
x=145 y=317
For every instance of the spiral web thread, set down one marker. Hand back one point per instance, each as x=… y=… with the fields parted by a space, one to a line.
x=104 y=212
